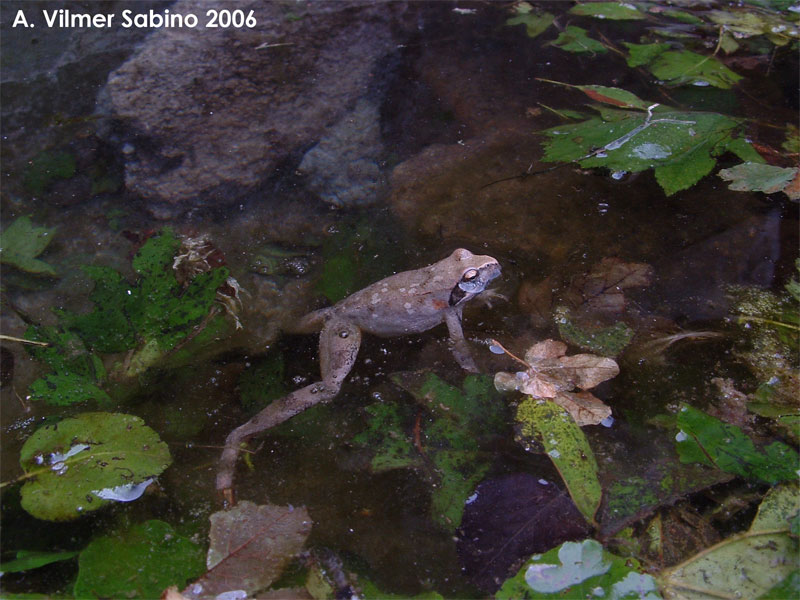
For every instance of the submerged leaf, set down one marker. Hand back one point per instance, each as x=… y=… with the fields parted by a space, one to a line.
x=686 y=67
x=249 y=547
x=27 y=560
x=69 y=465
x=607 y=10
x=575 y=39
x=22 y=242
x=567 y=447
x=140 y=562
x=535 y=23
x=707 y=440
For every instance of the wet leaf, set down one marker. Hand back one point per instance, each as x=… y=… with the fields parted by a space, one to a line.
x=509 y=518
x=607 y=10
x=685 y=67
x=70 y=465
x=46 y=167
x=755 y=177
x=63 y=389
x=642 y=54
x=249 y=547
x=748 y=23
x=606 y=341
x=575 y=39
x=551 y=374
x=579 y=570
x=33 y=559
x=140 y=562
x=565 y=444
x=22 y=242
x=602 y=288
x=681 y=146
x=745 y=565
x=386 y=436
x=706 y=440
x=535 y=23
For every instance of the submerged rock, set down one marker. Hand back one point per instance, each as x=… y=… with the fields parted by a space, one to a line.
x=211 y=113
x=343 y=167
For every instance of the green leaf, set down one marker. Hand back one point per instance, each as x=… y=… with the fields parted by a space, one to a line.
x=535 y=23
x=746 y=565
x=107 y=328
x=462 y=420
x=140 y=562
x=33 y=559
x=575 y=39
x=45 y=168
x=642 y=54
x=683 y=174
x=685 y=67
x=64 y=389
x=567 y=447
x=22 y=242
x=625 y=140
x=753 y=177
x=607 y=10
x=72 y=467
x=386 y=434
x=606 y=341
x=707 y=440
x=579 y=570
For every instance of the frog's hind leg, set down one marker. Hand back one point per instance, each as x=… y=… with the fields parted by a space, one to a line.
x=338 y=348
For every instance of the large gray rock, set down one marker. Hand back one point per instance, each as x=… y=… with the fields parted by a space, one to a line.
x=210 y=113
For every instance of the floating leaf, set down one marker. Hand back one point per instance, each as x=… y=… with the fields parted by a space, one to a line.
x=140 y=562
x=706 y=440
x=681 y=146
x=249 y=547
x=602 y=288
x=579 y=570
x=22 y=242
x=27 y=560
x=551 y=374
x=755 y=177
x=608 y=95
x=567 y=447
x=747 y=23
x=69 y=465
x=608 y=10
x=508 y=519
x=575 y=39
x=745 y=565
x=680 y=67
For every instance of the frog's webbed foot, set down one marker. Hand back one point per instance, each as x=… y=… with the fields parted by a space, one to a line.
x=339 y=342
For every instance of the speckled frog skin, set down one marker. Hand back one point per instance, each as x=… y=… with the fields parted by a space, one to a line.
x=405 y=303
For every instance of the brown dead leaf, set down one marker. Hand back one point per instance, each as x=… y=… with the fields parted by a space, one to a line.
x=551 y=374
x=249 y=547
x=584 y=407
x=602 y=289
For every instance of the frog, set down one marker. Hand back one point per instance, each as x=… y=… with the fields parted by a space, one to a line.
x=409 y=302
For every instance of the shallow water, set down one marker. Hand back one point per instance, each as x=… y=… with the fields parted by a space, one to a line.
x=447 y=151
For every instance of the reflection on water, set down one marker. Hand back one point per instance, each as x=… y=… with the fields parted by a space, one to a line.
x=330 y=146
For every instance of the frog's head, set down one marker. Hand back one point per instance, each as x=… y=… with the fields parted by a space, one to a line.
x=472 y=273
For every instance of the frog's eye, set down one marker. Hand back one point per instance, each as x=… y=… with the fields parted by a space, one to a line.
x=470 y=274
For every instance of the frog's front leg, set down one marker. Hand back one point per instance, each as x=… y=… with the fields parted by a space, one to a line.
x=338 y=348
x=460 y=347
